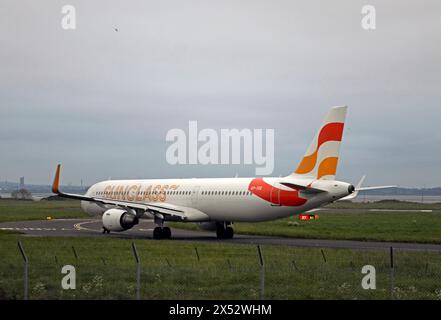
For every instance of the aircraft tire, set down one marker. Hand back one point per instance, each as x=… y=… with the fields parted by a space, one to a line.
x=166 y=233
x=157 y=233
x=220 y=233
x=229 y=233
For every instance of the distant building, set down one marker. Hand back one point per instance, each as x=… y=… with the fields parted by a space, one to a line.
x=22 y=184
x=22 y=193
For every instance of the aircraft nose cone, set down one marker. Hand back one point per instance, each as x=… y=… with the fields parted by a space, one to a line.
x=351 y=189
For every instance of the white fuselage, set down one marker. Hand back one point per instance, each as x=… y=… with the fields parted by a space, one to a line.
x=221 y=199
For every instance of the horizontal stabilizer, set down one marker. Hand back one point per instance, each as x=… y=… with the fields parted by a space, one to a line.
x=359 y=188
x=304 y=189
x=375 y=188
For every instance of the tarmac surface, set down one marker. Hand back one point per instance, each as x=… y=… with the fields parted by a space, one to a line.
x=144 y=230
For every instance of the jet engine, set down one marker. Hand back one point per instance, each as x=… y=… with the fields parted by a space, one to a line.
x=119 y=220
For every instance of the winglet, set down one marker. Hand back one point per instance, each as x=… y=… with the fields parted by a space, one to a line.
x=56 y=182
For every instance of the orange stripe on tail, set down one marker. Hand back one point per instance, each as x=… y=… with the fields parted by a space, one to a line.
x=330 y=132
x=328 y=167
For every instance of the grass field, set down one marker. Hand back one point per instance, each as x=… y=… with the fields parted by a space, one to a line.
x=171 y=270
x=423 y=227
x=376 y=226
x=385 y=204
x=17 y=210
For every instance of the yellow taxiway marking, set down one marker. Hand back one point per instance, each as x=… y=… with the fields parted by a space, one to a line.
x=79 y=226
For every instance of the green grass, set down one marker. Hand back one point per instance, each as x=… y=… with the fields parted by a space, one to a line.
x=19 y=210
x=170 y=270
x=378 y=226
x=385 y=204
x=419 y=227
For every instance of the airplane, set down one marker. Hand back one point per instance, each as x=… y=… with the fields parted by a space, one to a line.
x=216 y=203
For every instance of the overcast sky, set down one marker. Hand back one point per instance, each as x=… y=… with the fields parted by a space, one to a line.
x=101 y=101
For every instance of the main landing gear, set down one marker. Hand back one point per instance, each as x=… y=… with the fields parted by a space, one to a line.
x=162 y=233
x=106 y=231
x=224 y=231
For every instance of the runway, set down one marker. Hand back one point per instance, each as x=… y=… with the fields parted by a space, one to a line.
x=144 y=230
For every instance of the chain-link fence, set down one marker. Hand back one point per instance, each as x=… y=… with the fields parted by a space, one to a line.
x=203 y=271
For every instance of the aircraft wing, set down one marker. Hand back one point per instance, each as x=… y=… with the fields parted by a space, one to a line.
x=163 y=211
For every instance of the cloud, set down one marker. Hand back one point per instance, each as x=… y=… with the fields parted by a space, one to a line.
x=102 y=101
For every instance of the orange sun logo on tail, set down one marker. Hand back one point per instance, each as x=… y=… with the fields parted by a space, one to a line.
x=321 y=158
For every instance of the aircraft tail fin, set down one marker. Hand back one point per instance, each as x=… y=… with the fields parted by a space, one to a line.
x=321 y=158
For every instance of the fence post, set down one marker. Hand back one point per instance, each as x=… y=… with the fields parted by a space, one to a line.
x=295 y=265
x=392 y=274
x=75 y=253
x=138 y=271
x=262 y=273
x=26 y=270
x=323 y=255
x=197 y=253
